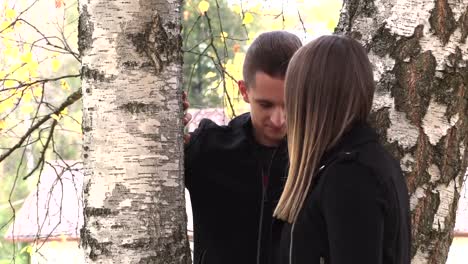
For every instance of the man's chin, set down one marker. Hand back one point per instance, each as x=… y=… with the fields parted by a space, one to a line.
x=277 y=137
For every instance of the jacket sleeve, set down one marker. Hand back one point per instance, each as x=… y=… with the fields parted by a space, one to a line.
x=353 y=209
x=193 y=151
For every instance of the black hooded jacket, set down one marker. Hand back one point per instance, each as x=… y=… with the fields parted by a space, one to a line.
x=234 y=185
x=357 y=210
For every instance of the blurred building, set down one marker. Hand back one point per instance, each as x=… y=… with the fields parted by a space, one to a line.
x=51 y=216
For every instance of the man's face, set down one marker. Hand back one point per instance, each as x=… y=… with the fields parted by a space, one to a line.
x=266 y=98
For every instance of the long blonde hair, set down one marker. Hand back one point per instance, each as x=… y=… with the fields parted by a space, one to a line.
x=329 y=86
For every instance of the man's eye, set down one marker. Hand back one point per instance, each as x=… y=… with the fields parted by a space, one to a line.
x=265 y=105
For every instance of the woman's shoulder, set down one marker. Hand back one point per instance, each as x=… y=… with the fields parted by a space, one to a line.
x=349 y=171
x=368 y=171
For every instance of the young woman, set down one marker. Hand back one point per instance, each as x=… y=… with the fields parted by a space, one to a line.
x=345 y=199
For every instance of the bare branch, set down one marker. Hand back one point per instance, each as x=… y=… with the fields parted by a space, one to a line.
x=69 y=101
x=221 y=29
x=13 y=23
x=44 y=149
x=302 y=22
x=21 y=85
x=221 y=67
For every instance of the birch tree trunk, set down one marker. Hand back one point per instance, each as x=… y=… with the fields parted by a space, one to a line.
x=134 y=191
x=419 y=52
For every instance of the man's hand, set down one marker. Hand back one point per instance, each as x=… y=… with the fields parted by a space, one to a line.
x=187 y=117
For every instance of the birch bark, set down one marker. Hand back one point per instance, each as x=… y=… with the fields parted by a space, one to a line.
x=133 y=147
x=419 y=52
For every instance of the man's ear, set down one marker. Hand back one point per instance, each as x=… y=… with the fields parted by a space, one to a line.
x=243 y=90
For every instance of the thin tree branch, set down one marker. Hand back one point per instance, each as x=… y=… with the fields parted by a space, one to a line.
x=43 y=152
x=69 y=101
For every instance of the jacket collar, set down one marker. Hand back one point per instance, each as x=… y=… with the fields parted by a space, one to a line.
x=245 y=121
x=360 y=133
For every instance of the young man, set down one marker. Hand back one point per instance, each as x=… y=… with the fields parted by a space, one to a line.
x=235 y=173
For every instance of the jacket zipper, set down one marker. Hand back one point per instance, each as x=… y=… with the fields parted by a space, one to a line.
x=264 y=194
x=260 y=225
x=291 y=243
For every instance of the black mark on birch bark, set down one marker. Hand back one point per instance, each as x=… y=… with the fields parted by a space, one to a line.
x=158 y=43
x=85 y=31
x=138 y=107
x=442 y=20
x=96 y=249
x=118 y=194
x=381 y=117
x=171 y=246
x=409 y=48
x=96 y=75
x=383 y=42
x=93 y=211
x=455 y=60
x=355 y=8
x=413 y=91
x=464 y=26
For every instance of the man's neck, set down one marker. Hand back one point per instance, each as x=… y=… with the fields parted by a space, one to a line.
x=262 y=140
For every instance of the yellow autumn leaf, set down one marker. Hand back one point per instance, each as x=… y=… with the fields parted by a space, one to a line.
x=7 y=104
x=248 y=18
x=60 y=115
x=10 y=84
x=56 y=117
x=27 y=57
x=203 y=6
x=331 y=24
x=236 y=9
x=29 y=250
x=27 y=109
x=37 y=91
x=32 y=67
x=64 y=112
x=64 y=85
x=2 y=124
x=27 y=96
x=223 y=36
x=210 y=75
x=4 y=25
x=22 y=73
x=10 y=14
x=55 y=63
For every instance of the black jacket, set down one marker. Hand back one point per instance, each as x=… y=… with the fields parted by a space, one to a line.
x=234 y=186
x=357 y=210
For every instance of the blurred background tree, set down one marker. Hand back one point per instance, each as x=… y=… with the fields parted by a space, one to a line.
x=39 y=70
x=217 y=34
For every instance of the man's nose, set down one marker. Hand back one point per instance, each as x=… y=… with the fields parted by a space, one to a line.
x=278 y=118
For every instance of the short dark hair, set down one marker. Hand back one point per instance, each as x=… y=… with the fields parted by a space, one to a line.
x=270 y=53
